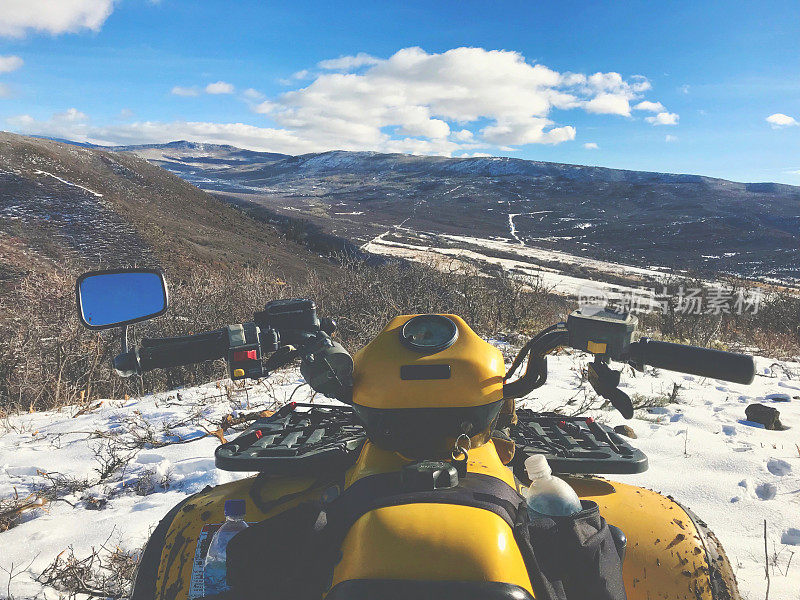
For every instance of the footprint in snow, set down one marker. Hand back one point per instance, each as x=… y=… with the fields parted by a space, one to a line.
x=148 y=459
x=791 y=537
x=766 y=491
x=729 y=429
x=763 y=491
x=779 y=467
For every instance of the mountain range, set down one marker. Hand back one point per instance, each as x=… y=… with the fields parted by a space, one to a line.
x=669 y=220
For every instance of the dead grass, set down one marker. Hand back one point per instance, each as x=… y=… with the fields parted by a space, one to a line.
x=107 y=572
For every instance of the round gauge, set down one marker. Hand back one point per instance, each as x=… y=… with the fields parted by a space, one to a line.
x=429 y=333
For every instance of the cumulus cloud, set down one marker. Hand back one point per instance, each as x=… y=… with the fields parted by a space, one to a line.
x=52 y=16
x=252 y=94
x=670 y=138
x=609 y=104
x=219 y=87
x=591 y=146
x=10 y=63
x=461 y=100
x=265 y=107
x=779 y=120
x=349 y=63
x=650 y=106
x=184 y=91
x=663 y=118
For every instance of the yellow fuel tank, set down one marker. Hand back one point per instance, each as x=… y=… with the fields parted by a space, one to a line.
x=476 y=372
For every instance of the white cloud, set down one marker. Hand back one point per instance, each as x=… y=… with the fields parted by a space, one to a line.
x=219 y=87
x=252 y=94
x=461 y=100
x=779 y=120
x=609 y=104
x=663 y=118
x=349 y=63
x=685 y=88
x=591 y=146
x=10 y=63
x=670 y=138
x=126 y=114
x=5 y=91
x=295 y=77
x=184 y=91
x=650 y=106
x=52 y=16
x=265 y=107
x=71 y=115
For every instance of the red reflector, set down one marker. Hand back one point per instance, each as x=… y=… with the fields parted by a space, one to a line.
x=259 y=435
x=244 y=355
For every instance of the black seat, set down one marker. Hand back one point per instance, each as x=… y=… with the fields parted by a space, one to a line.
x=403 y=589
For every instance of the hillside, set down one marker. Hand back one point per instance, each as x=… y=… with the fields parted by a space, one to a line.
x=63 y=204
x=639 y=218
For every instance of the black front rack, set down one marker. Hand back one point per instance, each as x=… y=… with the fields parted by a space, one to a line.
x=573 y=445
x=309 y=439
x=299 y=439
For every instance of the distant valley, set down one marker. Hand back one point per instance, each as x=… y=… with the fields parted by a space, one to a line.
x=636 y=218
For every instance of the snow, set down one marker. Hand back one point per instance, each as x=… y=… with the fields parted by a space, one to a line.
x=733 y=476
x=92 y=192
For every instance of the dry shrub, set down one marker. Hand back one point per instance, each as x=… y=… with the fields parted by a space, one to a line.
x=104 y=573
x=48 y=360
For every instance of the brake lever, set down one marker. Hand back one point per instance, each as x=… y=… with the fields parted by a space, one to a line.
x=280 y=358
x=604 y=381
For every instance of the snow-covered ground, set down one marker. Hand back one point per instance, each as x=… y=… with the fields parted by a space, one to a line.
x=734 y=476
x=528 y=261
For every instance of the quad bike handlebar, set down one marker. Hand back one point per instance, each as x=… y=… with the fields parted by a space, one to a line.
x=692 y=360
x=290 y=329
x=608 y=336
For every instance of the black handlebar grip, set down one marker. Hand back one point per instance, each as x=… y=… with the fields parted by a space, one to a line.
x=704 y=362
x=162 y=353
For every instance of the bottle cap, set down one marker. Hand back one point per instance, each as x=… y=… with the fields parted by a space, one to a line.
x=536 y=466
x=234 y=508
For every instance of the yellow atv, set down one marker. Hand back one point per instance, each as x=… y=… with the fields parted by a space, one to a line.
x=412 y=484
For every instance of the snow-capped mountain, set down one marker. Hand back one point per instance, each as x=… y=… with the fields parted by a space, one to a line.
x=639 y=218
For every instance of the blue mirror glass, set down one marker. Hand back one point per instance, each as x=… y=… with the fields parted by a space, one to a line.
x=114 y=298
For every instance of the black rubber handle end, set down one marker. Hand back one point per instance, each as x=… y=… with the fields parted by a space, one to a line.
x=693 y=360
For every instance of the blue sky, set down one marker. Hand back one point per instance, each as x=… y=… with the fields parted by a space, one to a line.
x=678 y=87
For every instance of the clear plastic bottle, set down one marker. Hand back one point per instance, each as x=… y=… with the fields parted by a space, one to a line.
x=548 y=496
x=214 y=581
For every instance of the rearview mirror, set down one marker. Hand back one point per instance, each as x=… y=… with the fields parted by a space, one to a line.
x=120 y=297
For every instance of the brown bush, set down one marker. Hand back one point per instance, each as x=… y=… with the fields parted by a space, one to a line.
x=47 y=359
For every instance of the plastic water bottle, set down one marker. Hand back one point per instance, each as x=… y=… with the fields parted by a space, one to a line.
x=214 y=581
x=549 y=496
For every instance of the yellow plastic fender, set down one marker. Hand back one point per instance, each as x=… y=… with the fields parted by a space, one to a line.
x=670 y=555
